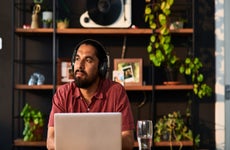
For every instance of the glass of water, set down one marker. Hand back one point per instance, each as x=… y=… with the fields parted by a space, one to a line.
x=144 y=134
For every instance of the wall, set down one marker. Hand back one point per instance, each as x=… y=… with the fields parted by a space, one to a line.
x=5 y=76
x=222 y=74
x=205 y=40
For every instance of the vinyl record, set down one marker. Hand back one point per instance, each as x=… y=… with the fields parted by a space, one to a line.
x=104 y=12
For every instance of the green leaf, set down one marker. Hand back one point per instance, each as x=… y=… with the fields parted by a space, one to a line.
x=153 y=25
x=166 y=47
x=163 y=5
x=173 y=60
x=167 y=12
x=200 y=78
x=152 y=38
x=171 y=2
x=157 y=45
x=182 y=69
x=167 y=39
x=162 y=19
x=148 y=10
x=164 y=30
x=36 y=121
x=149 y=48
x=187 y=71
x=187 y=60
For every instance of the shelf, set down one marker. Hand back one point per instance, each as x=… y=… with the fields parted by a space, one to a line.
x=159 y=87
x=99 y=31
x=38 y=30
x=50 y=87
x=34 y=87
x=174 y=87
x=128 y=88
x=167 y=143
x=20 y=142
x=139 y=88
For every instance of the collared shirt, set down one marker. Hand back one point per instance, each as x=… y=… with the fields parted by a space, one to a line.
x=109 y=97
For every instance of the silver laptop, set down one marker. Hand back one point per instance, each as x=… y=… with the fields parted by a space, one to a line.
x=87 y=131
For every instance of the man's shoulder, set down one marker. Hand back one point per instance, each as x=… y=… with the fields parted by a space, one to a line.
x=109 y=84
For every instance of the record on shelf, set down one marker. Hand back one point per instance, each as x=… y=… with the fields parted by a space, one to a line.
x=104 y=12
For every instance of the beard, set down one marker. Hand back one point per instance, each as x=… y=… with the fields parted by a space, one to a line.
x=86 y=82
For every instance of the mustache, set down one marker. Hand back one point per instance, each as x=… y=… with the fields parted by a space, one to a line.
x=79 y=70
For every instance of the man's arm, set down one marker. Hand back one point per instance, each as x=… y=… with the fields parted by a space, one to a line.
x=50 y=139
x=127 y=140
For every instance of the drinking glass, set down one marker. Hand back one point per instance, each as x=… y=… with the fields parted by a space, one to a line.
x=144 y=134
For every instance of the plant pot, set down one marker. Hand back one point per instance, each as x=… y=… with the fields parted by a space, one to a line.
x=165 y=136
x=171 y=74
x=62 y=25
x=47 y=25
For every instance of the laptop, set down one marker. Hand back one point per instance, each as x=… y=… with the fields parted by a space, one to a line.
x=88 y=131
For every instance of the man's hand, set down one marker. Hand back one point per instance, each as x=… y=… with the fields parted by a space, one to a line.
x=127 y=140
x=50 y=139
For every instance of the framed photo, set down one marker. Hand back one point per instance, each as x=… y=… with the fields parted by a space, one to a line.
x=132 y=68
x=64 y=71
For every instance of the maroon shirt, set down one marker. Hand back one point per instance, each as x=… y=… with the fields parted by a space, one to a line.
x=109 y=97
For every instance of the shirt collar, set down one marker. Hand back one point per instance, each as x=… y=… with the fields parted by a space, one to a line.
x=99 y=94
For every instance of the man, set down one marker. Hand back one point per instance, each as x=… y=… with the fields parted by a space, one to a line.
x=92 y=92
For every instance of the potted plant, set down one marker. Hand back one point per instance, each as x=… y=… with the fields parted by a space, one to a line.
x=33 y=123
x=171 y=128
x=47 y=18
x=160 y=47
x=62 y=23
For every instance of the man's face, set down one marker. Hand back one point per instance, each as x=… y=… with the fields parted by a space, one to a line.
x=86 y=66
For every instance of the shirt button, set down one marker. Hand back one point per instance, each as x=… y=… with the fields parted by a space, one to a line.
x=88 y=109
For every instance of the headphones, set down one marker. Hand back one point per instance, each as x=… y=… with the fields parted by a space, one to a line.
x=100 y=52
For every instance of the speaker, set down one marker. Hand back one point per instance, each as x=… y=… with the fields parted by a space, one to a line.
x=102 y=55
x=107 y=13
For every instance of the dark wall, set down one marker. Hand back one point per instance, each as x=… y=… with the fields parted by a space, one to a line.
x=5 y=75
x=205 y=39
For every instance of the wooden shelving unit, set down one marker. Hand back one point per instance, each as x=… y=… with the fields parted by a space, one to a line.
x=33 y=87
x=168 y=144
x=128 y=88
x=54 y=33
x=96 y=31
x=20 y=142
x=174 y=143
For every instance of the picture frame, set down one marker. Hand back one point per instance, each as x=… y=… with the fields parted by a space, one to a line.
x=132 y=68
x=64 y=71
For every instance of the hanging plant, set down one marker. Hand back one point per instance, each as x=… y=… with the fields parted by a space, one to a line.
x=160 y=47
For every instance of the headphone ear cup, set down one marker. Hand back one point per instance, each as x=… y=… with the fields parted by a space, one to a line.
x=73 y=60
x=103 y=69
